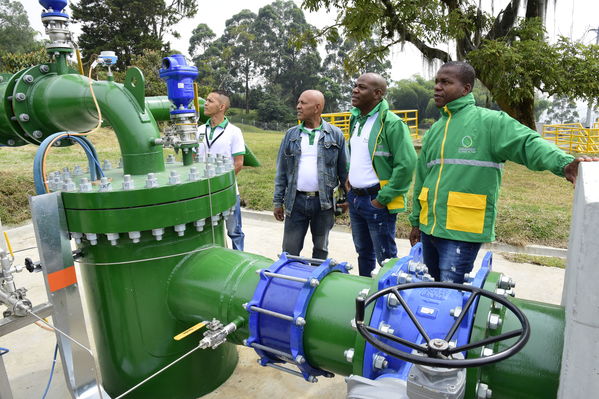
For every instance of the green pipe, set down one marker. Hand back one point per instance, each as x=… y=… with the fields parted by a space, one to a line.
x=216 y=282
x=159 y=107
x=64 y=103
x=61 y=63
x=534 y=371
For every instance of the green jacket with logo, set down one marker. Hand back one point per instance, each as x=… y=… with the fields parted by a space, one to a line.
x=459 y=169
x=393 y=156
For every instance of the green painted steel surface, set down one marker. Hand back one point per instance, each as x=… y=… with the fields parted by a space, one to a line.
x=140 y=196
x=160 y=107
x=10 y=132
x=215 y=283
x=133 y=327
x=56 y=102
x=64 y=103
x=328 y=331
x=127 y=288
x=532 y=373
x=141 y=209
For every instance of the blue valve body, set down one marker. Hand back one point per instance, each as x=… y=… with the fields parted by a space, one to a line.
x=179 y=79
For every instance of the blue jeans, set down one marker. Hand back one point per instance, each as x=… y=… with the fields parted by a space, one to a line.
x=306 y=212
x=448 y=260
x=233 y=224
x=373 y=231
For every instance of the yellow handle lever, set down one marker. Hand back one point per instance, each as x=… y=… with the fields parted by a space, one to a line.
x=8 y=244
x=189 y=331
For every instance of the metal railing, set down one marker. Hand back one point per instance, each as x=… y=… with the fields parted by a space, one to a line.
x=341 y=120
x=573 y=137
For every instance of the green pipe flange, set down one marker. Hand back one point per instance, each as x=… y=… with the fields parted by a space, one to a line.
x=141 y=196
x=172 y=202
x=10 y=131
x=31 y=130
x=150 y=217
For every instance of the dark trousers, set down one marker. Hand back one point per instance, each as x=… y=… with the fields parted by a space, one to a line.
x=306 y=213
x=373 y=232
x=233 y=224
x=448 y=260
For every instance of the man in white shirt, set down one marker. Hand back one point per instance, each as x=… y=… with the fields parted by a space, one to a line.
x=222 y=137
x=382 y=160
x=310 y=164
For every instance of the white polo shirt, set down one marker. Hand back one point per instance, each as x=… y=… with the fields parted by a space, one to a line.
x=226 y=139
x=307 y=174
x=361 y=172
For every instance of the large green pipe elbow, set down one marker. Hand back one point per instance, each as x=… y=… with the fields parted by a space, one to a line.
x=65 y=103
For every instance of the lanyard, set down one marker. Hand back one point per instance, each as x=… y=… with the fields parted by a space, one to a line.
x=210 y=144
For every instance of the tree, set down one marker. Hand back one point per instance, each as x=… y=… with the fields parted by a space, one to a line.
x=562 y=110
x=15 y=31
x=230 y=62
x=13 y=62
x=339 y=74
x=294 y=68
x=128 y=27
x=201 y=38
x=510 y=54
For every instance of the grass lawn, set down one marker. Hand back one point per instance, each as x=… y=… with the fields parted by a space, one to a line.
x=534 y=207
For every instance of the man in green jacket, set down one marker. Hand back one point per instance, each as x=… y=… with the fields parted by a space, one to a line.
x=459 y=171
x=382 y=160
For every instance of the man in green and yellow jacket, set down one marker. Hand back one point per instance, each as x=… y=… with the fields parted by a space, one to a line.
x=459 y=171
x=382 y=160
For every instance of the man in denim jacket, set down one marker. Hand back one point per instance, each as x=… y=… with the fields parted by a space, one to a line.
x=311 y=163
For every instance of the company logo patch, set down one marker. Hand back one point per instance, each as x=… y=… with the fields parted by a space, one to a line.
x=467 y=145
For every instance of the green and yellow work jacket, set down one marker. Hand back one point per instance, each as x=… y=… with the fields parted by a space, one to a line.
x=459 y=169
x=393 y=156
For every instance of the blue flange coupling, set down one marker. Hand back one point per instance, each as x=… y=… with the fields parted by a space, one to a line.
x=277 y=313
x=179 y=79
x=435 y=308
x=54 y=8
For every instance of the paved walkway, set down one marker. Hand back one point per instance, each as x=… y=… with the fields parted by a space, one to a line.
x=30 y=358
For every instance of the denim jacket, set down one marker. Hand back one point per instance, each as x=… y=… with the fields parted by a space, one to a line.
x=331 y=163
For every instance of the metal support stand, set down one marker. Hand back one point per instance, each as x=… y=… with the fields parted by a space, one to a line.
x=54 y=248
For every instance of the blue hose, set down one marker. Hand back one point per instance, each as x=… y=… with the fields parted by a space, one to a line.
x=92 y=158
x=3 y=351
x=51 y=372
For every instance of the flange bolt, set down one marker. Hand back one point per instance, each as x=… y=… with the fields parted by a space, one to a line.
x=379 y=362
x=483 y=391
x=180 y=229
x=24 y=117
x=92 y=238
x=28 y=79
x=128 y=183
x=158 y=233
x=134 y=236
x=113 y=238
x=20 y=96
x=349 y=355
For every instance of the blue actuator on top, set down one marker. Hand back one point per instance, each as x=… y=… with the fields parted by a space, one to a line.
x=54 y=5
x=179 y=79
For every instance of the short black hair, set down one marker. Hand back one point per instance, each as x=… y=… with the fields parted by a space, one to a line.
x=220 y=92
x=465 y=71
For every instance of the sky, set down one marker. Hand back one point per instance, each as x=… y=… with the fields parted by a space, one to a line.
x=571 y=18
